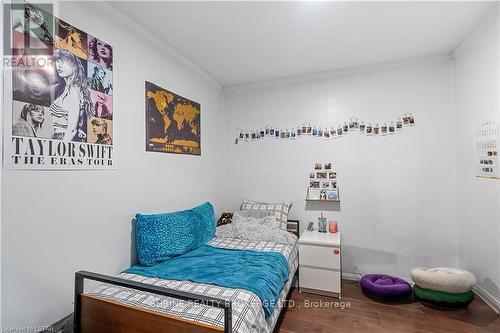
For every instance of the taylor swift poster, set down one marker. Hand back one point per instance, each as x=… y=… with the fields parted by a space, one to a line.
x=172 y=122
x=56 y=117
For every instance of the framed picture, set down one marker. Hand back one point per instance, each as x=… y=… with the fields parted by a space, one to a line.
x=172 y=122
x=318 y=166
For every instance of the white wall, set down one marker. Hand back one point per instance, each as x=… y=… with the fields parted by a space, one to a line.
x=476 y=74
x=55 y=223
x=397 y=192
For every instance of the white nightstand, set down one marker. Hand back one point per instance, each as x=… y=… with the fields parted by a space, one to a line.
x=320 y=264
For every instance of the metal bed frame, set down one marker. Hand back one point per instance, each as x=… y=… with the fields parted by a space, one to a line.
x=81 y=276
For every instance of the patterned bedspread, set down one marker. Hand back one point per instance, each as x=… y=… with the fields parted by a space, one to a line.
x=248 y=314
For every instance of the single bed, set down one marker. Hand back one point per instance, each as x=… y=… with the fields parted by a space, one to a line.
x=125 y=305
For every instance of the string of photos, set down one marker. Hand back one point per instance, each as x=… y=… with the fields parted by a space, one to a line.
x=325 y=132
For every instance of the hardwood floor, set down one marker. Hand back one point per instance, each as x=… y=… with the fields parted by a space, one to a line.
x=368 y=316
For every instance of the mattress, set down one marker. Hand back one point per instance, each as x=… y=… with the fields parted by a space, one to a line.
x=247 y=311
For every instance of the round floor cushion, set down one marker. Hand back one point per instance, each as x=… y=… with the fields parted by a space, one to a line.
x=385 y=286
x=449 y=280
x=442 y=298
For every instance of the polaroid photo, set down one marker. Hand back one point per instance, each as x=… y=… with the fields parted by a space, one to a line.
x=392 y=129
x=362 y=127
x=318 y=166
x=271 y=132
x=334 y=185
x=399 y=125
x=312 y=175
x=328 y=166
x=406 y=119
x=332 y=175
x=383 y=129
x=376 y=130
x=411 y=120
x=346 y=128
x=325 y=184
x=369 y=129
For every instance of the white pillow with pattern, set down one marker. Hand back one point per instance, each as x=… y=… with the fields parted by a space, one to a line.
x=279 y=210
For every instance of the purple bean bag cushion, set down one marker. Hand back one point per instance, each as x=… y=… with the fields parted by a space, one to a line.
x=385 y=286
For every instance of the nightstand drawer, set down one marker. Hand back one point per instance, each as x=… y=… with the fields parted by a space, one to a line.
x=319 y=256
x=319 y=279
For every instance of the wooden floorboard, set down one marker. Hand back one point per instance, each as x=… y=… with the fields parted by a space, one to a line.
x=368 y=316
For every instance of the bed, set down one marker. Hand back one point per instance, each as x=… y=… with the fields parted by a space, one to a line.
x=136 y=303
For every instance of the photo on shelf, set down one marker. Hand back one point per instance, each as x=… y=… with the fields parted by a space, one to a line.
x=333 y=195
x=322 y=195
x=313 y=194
x=321 y=175
x=314 y=184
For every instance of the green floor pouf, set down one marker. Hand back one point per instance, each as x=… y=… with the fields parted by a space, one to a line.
x=443 y=299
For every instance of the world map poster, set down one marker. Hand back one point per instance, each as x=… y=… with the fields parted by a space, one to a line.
x=172 y=122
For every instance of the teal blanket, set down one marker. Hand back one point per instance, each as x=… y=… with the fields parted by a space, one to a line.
x=263 y=273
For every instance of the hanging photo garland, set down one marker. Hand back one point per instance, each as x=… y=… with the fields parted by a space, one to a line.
x=326 y=132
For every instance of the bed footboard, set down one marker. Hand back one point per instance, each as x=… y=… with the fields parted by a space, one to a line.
x=95 y=315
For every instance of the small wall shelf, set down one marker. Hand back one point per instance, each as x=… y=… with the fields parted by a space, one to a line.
x=308 y=199
x=319 y=200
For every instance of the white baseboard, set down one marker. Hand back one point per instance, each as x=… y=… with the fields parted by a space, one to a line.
x=488 y=298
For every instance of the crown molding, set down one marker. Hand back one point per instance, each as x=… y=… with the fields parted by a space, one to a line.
x=349 y=71
x=146 y=34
